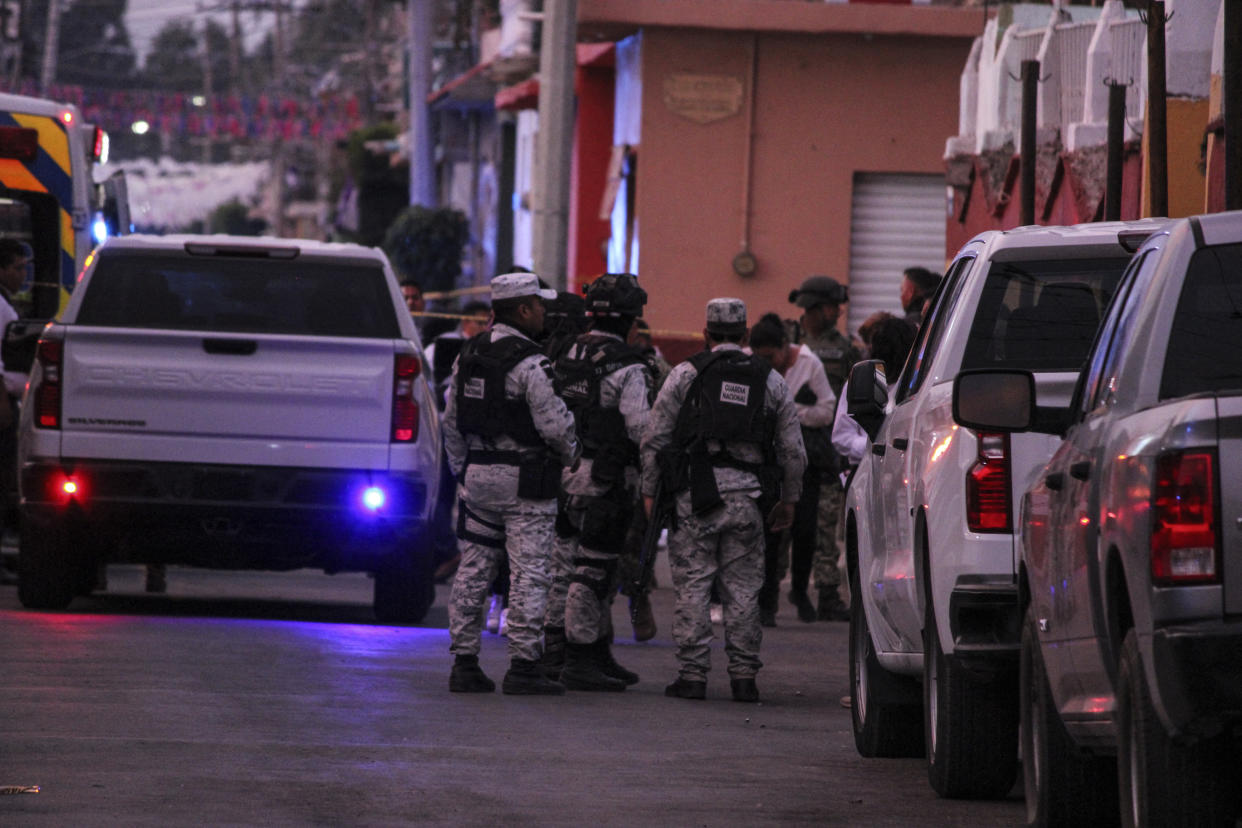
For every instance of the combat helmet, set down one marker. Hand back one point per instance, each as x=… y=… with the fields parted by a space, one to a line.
x=615 y=294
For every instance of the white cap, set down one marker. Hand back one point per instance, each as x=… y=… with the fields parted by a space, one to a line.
x=514 y=285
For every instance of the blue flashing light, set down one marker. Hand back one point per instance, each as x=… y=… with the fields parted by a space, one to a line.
x=99 y=229
x=373 y=498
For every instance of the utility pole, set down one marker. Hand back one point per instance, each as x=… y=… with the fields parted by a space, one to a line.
x=1233 y=104
x=51 y=45
x=1030 y=89
x=1157 y=111
x=554 y=143
x=422 y=169
x=208 y=85
x=1116 y=150
x=235 y=47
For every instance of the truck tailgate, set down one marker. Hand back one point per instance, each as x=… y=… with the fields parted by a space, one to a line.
x=273 y=399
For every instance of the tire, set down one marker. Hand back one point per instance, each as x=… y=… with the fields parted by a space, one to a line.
x=971 y=724
x=887 y=717
x=1161 y=780
x=405 y=591
x=47 y=572
x=1063 y=785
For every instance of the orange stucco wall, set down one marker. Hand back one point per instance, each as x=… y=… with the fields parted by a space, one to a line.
x=825 y=106
x=1186 y=121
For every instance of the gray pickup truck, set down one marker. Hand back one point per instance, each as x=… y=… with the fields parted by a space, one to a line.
x=1131 y=549
x=233 y=403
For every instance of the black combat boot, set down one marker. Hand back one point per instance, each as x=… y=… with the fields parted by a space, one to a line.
x=553 y=652
x=468 y=677
x=806 y=610
x=642 y=617
x=582 y=670
x=526 y=678
x=687 y=689
x=831 y=607
x=744 y=690
x=609 y=666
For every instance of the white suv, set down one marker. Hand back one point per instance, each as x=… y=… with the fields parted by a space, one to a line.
x=929 y=512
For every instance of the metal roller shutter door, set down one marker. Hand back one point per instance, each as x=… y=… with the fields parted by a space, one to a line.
x=897 y=221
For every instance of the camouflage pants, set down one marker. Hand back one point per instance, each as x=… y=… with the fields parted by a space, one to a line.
x=527 y=538
x=629 y=567
x=830 y=542
x=601 y=524
x=725 y=547
x=560 y=568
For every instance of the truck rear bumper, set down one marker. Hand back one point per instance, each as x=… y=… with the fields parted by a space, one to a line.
x=985 y=621
x=229 y=517
x=1198 y=671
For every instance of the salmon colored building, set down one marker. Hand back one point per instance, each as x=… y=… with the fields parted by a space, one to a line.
x=757 y=142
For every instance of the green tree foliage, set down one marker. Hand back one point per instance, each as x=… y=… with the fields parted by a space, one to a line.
x=94 y=47
x=427 y=243
x=174 y=62
x=383 y=190
x=233 y=217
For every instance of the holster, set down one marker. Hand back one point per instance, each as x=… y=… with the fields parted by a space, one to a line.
x=604 y=522
x=704 y=495
x=607 y=468
x=539 y=477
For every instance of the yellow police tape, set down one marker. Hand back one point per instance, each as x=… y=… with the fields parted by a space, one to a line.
x=437 y=315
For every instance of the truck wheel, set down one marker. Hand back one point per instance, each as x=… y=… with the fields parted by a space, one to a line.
x=1164 y=781
x=404 y=591
x=1063 y=785
x=888 y=720
x=47 y=574
x=971 y=724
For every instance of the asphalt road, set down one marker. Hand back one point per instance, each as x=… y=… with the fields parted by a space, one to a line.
x=274 y=699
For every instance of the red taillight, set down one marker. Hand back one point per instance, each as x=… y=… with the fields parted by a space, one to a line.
x=47 y=394
x=1183 y=530
x=987 y=486
x=99 y=146
x=66 y=488
x=404 y=408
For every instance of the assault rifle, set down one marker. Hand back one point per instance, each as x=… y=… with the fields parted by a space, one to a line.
x=660 y=509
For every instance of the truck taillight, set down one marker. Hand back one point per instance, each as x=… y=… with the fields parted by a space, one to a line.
x=1184 y=540
x=46 y=395
x=987 y=486
x=404 y=408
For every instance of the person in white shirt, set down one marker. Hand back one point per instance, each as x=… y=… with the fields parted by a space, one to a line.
x=814 y=402
x=889 y=339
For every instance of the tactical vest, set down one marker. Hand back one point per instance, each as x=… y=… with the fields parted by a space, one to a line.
x=601 y=430
x=729 y=403
x=480 y=390
x=725 y=403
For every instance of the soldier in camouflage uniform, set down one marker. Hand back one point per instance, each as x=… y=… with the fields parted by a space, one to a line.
x=507 y=435
x=724 y=439
x=566 y=321
x=821 y=298
x=607 y=385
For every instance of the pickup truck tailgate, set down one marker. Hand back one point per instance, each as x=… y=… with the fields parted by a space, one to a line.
x=1229 y=414
x=276 y=399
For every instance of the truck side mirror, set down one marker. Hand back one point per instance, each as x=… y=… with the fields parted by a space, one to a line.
x=992 y=400
x=866 y=395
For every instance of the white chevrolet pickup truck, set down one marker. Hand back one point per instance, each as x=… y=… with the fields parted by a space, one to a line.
x=232 y=403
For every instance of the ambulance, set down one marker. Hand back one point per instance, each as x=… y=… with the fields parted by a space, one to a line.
x=48 y=196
